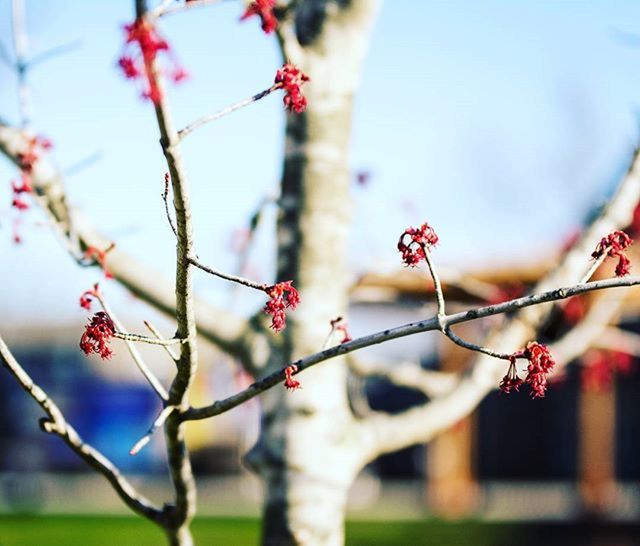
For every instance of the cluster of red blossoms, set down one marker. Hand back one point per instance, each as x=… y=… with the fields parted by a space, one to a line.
x=100 y=256
x=413 y=244
x=291 y=78
x=540 y=364
x=282 y=296
x=97 y=335
x=614 y=245
x=24 y=186
x=289 y=382
x=140 y=66
x=264 y=10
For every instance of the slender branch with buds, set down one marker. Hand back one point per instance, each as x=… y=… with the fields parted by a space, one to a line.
x=57 y=424
x=412 y=328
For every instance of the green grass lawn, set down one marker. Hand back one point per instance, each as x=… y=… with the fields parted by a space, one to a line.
x=129 y=531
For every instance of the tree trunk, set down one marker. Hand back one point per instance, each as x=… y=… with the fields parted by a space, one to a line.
x=180 y=536
x=308 y=453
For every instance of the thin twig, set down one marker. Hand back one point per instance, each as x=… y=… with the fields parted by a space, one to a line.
x=125 y=336
x=135 y=354
x=227 y=276
x=436 y=281
x=82 y=164
x=473 y=347
x=54 y=52
x=158 y=335
x=412 y=328
x=168 y=7
x=165 y=198
x=594 y=266
x=182 y=133
x=57 y=424
x=445 y=329
x=152 y=429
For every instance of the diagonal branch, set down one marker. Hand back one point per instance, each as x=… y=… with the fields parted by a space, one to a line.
x=182 y=133
x=430 y=324
x=57 y=424
x=133 y=351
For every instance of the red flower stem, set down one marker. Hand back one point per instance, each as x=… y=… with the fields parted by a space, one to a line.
x=135 y=354
x=182 y=133
x=227 y=276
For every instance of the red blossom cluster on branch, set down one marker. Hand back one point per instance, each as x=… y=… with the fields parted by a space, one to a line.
x=289 y=382
x=291 y=78
x=140 y=65
x=614 y=245
x=283 y=295
x=264 y=10
x=100 y=256
x=413 y=243
x=97 y=335
x=24 y=185
x=540 y=365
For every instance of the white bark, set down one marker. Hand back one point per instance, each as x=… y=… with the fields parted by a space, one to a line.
x=309 y=452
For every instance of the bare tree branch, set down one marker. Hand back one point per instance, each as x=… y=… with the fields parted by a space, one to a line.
x=187 y=364
x=57 y=424
x=157 y=335
x=182 y=133
x=433 y=323
x=169 y=7
x=135 y=354
x=157 y=423
x=228 y=276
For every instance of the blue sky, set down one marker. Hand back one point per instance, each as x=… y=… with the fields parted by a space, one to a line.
x=499 y=122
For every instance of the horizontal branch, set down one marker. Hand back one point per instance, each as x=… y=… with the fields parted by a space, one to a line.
x=433 y=323
x=57 y=424
x=150 y=340
x=182 y=133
